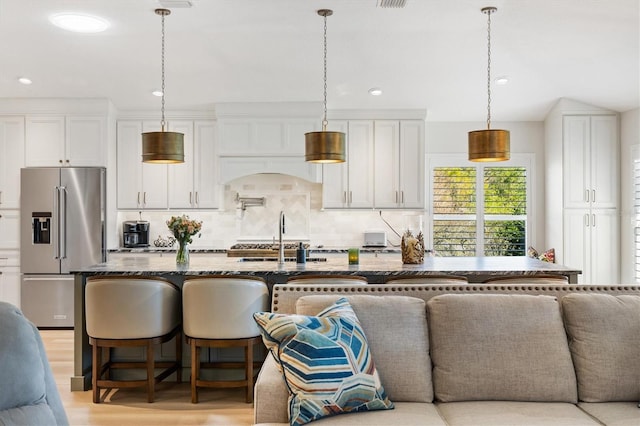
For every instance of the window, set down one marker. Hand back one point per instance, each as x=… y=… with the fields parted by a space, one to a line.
x=479 y=210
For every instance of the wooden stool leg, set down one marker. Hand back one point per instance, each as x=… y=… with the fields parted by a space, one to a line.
x=95 y=369
x=195 y=370
x=179 y=357
x=249 y=370
x=150 y=373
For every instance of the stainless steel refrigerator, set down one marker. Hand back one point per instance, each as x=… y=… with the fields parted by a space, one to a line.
x=62 y=228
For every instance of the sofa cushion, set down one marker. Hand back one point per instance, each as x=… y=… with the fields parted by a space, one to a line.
x=613 y=413
x=33 y=398
x=510 y=413
x=499 y=347
x=604 y=333
x=325 y=361
x=396 y=329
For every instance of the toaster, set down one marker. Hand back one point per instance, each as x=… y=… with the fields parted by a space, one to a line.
x=375 y=239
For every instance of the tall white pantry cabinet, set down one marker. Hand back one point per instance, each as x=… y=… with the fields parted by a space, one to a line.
x=589 y=202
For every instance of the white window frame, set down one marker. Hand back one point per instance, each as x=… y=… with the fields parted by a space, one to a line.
x=447 y=160
x=635 y=171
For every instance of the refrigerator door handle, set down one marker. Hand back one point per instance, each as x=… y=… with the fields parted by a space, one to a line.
x=63 y=225
x=55 y=231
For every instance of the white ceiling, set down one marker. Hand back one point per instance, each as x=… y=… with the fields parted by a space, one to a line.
x=430 y=54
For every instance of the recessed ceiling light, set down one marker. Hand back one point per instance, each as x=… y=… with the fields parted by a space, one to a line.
x=375 y=91
x=24 y=80
x=502 y=80
x=157 y=93
x=79 y=22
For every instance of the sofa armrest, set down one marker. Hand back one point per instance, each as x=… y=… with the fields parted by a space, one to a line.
x=270 y=395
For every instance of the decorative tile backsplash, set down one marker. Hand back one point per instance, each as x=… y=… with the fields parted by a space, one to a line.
x=305 y=220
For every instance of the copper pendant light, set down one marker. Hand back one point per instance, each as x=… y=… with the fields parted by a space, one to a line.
x=325 y=146
x=489 y=144
x=162 y=147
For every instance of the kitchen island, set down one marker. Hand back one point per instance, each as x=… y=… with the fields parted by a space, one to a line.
x=375 y=269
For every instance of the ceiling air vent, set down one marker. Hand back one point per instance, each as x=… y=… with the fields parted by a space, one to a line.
x=392 y=3
x=175 y=4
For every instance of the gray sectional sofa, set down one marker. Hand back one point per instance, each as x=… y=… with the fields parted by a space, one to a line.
x=483 y=354
x=28 y=392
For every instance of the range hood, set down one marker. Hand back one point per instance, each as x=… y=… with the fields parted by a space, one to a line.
x=231 y=168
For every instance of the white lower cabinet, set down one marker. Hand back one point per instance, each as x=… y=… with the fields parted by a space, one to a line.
x=10 y=277
x=9 y=229
x=591 y=244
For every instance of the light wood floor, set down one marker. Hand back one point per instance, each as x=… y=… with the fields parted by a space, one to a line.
x=172 y=404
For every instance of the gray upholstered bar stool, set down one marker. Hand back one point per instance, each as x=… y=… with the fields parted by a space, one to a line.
x=426 y=279
x=218 y=313
x=529 y=279
x=132 y=311
x=326 y=279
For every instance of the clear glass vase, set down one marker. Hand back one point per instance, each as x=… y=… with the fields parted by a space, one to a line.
x=182 y=256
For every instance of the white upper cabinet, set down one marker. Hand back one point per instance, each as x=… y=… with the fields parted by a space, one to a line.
x=590 y=161
x=264 y=136
x=193 y=184
x=60 y=140
x=350 y=184
x=140 y=185
x=384 y=168
x=11 y=160
x=399 y=164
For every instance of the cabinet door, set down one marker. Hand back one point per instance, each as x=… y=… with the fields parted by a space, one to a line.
x=604 y=261
x=360 y=164
x=576 y=164
x=335 y=175
x=205 y=184
x=9 y=229
x=129 y=154
x=604 y=161
x=154 y=176
x=387 y=164
x=577 y=241
x=11 y=160
x=85 y=141
x=181 y=193
x=412 y=164
x=44 y=141
x=10 y=284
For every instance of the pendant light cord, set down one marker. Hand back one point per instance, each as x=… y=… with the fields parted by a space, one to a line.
x=489 y=12
x=324 y=120
x=162 y=62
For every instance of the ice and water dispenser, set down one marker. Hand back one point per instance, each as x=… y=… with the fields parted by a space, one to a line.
x=41 y=225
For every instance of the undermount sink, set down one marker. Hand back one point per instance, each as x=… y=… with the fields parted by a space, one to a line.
x=275 y=259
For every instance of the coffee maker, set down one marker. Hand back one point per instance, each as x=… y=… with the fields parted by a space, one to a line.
x=135 y=233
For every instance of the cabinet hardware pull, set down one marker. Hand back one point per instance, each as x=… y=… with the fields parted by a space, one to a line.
x=593 y=195
x=402 y=197
x=396 y=197
x=138 y=197
x=350 y=197
x=0 y=197
x=593 y=220
x=344 y=197
x=586 y=220
x=144 y=198
x=60 y=161
x=197 y=198
x=586 y=195
x=67 y=161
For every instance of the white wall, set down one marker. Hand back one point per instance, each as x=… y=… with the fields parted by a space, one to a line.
x=629 y=137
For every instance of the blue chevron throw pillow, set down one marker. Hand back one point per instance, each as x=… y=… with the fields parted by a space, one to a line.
x=325 y=361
